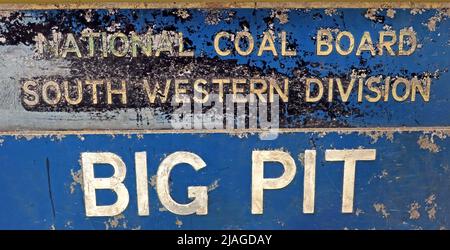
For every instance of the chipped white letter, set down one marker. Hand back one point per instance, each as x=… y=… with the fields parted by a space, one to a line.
x=113 y=183
x=349 y=157
x=199 y=194
x=259 y=183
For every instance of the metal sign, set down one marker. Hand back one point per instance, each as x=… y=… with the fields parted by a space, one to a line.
x=224 y=116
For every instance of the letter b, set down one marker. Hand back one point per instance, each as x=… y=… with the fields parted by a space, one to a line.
x=114 y=183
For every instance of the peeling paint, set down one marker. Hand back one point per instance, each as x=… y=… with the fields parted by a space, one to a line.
x=427 y=142
x=384 y=173
x=359 y=211
x=301 y=158
x=68 y=224
x=178 y=222
x=376 y=135
x=152 y=181
x=381 y=208
x=282 y=15
x=387 y=27
x=390 y=13
x=436 y=19
x=213 y=17
x=240 y=135
x=28 y=137
x=431 y=206
x=330 y=12
x=416 y=11
x=414 y=213
x=58 y=137
x=115 y=222
x=77 y=177
x=183 y=14
x=371 y=14
x=281 y=223
x=213 y=185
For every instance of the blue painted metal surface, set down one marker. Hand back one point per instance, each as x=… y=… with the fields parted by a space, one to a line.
x=199 y=28
x=386 y=190
x=406 y=187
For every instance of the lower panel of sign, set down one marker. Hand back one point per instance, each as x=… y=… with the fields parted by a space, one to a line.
x=405 y=186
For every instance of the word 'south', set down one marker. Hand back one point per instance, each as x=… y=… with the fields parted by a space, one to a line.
x=58 y=94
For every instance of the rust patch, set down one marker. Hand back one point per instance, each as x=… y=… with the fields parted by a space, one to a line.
x=281 y=15
x=374 y=16
x=414 y=213
x=437 y=18
x=181 y=13
x=115 y=222
x=178 y=222
x=390 y=13
x=431 y=206
x=381 y=208
x=427 y=142
x=376 y=135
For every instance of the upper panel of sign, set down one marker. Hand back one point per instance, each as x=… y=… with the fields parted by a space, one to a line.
x=231 y=68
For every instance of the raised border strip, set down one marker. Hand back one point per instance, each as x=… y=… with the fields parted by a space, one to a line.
x=214 y=4
x=227 y=131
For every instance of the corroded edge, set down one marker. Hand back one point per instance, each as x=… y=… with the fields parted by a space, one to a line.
x=445 y=129
x=219 y=5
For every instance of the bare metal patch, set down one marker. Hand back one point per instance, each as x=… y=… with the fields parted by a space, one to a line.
x=431 y=206
x=115 y=222
x=381 y=208
x=414 y=213
x=178 y=222
x=427 y=142
x=77 y=177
